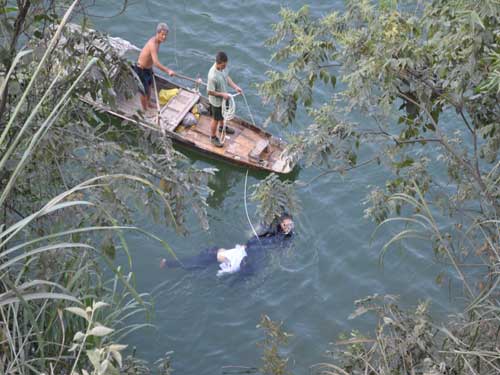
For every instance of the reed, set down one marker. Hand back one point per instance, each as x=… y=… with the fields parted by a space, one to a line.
x=410 y=341
x=49 y=272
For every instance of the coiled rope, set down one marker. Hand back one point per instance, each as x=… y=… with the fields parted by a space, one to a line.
x=229 y=111
x=228 y=108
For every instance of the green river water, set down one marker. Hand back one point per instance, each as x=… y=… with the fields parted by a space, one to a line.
x=205 y=321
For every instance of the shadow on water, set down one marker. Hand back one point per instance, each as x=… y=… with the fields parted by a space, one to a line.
x=228 y=175
x=221 y=164
x=222 y=184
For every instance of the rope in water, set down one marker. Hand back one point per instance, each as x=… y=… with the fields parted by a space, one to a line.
x=229 y=108
x=246 y=208
x=175 y=42
x=249 y=111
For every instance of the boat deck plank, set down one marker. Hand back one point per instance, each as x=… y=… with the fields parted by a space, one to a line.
x=245 y=146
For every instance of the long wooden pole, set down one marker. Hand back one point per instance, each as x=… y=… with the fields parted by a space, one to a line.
x=157 y=105
x=182 y=76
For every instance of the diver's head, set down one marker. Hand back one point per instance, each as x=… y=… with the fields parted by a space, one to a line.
x=286 y=224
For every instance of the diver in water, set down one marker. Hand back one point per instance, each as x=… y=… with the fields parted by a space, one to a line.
x=243 y=259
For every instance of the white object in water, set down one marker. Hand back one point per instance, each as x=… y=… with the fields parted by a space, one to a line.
x=232 y=260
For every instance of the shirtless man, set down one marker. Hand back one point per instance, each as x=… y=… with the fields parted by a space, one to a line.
x=149 y=57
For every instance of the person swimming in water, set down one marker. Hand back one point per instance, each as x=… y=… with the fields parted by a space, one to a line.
x=242 y=259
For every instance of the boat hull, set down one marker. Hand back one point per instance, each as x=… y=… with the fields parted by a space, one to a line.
x=250 y=146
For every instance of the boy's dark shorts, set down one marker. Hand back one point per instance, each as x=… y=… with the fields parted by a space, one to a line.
x=216 y=113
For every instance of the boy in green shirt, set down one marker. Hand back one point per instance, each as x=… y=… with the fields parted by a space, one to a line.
x=217 y=91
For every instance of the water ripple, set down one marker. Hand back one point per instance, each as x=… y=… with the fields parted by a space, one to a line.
x=206 y=320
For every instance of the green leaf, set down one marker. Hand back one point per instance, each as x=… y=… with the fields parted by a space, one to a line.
x=430 y=126
x=6 y=10
x=117 y=357
x=333 y=80
x=79 y=336
x=405 y=163
x=108 y=248
x=476 y=19
x=94 y=358
x=78 y=311
x=100 y=331
x=99 y=305
x=42 y=17
x=35 y=296
x=323 y=74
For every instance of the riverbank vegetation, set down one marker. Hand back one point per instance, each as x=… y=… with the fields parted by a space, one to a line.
x=404 y=66
x=68 y=183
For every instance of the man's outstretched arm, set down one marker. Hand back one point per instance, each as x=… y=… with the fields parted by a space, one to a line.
x=158 y=64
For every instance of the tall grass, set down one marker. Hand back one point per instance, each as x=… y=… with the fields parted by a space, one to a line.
x=410 y=342
x=41 y=275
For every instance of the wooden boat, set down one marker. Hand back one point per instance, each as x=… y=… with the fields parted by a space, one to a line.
x=249 y=146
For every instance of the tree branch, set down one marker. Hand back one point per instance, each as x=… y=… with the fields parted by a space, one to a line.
x=330 y=65
x=18 y=27
x=474 y=137
x=120 y=12
x=398 y=141
x=472 y=171
x=339 y=170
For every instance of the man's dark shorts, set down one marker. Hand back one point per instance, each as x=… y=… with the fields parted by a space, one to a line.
x=146 y=77
x=216 y=113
